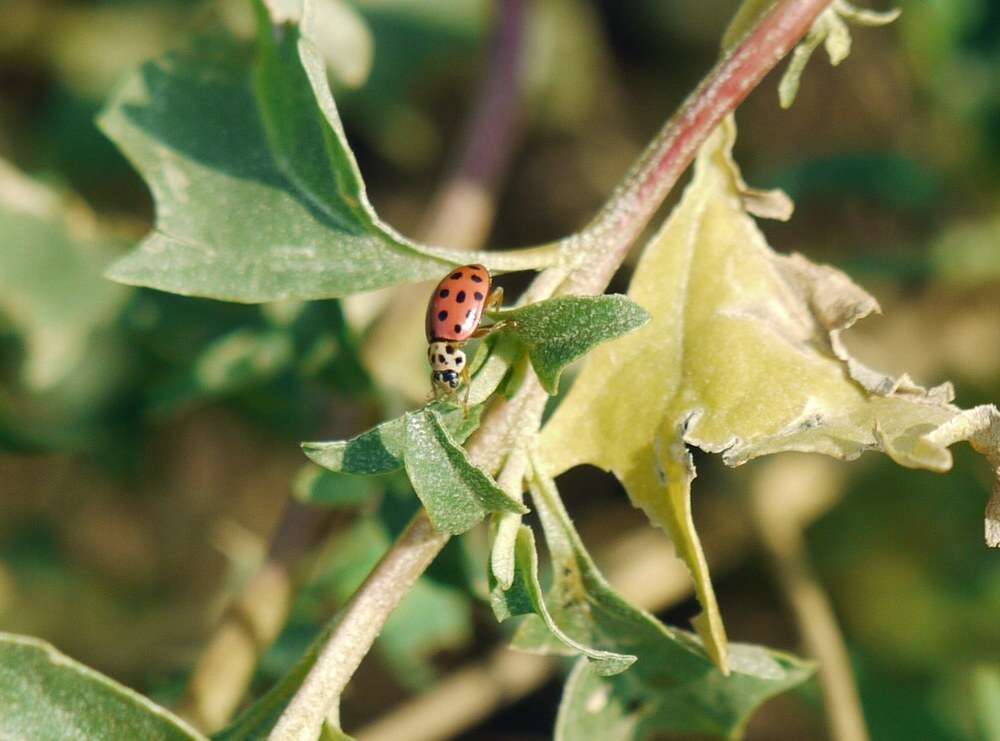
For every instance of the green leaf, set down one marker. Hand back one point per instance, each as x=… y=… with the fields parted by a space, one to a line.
x=456 y=493
x=330 y=489
x=380 y=449
x=524 y=597
x=986 y=700
x=47 y=695
x=426 y=442
x=675 y=695
x=431 y=617
x=558 y=331
x=51 y=289
x=258 y=196
x=673 y=688
x=742 y=357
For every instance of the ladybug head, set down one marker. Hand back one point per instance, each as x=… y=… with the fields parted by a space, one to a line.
x=445 y=381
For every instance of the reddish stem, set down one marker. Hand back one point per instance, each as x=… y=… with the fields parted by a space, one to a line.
x=657 y=170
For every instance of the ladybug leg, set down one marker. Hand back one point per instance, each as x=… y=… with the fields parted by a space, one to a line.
x=483 y=331
x=495 y=300
x=468 y=389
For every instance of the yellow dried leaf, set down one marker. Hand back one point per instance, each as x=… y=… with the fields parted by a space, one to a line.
x=742 y=357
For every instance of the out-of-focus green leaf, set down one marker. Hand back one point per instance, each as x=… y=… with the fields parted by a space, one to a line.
x=46 y=695
x=429 y=618
x=558 y=331
x=456 y=493
x=742 y=357
x=329 y=489
x=986 y=696
x=258 y=195
x=673 y=687
x=524 y=597
x=380 y=449
x=969 y=253
x=420 y=43
x=51 y=289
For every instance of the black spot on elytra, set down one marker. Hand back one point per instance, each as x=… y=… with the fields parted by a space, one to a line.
x=442 y=315
x=468 y=313
x=478 y=296
x=458 y=328
x=456 y=276
x=443 y=293
x=460 y=297
x=475 y=278
x=449 y=349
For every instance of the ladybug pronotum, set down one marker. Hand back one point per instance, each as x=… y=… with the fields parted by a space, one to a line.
x=454 y=312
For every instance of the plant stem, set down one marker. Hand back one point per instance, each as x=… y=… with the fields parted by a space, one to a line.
x=358 y=627
x=607 y=239
x=598 y=251
x=461 y=214
x=253 y=620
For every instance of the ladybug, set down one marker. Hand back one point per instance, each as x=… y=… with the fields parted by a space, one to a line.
x=454 y=312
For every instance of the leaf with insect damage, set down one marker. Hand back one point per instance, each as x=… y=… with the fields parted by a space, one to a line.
x=742 y=357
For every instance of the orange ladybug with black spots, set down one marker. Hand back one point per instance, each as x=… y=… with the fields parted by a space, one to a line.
x=454 y=313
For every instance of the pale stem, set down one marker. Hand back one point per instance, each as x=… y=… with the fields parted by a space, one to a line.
x=461 y=214
x=602 y=247
x=640 y=564
x=786 y=496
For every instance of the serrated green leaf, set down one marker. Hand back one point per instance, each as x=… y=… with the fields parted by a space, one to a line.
x=47 y=695
x=258 y=195
x=558 y=331
x=380 y=449
x=524 y=597
x=673 y=688
x=456 y=494
x=742 y=357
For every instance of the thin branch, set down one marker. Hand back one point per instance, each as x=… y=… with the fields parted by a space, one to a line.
x=462 y=210
x=461 y=214
x=642 y=566
x=601 y=248
x=605 y=242
x=250 y=624
x=358 y=627
x=786 y=496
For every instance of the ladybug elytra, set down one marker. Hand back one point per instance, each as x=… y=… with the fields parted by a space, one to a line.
x=454 y=312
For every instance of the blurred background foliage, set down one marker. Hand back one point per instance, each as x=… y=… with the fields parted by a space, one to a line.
x=148 y=442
